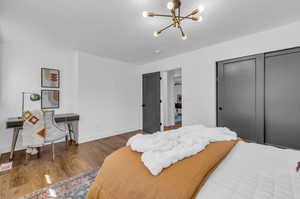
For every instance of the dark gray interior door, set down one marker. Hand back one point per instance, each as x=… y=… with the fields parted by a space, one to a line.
x=282 y=98
x=238 y=103
x=151 y=102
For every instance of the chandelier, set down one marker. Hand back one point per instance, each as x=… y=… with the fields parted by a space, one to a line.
x=174 y=7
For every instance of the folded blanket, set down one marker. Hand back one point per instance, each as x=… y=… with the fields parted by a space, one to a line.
x=162 y=149
x=123 y=175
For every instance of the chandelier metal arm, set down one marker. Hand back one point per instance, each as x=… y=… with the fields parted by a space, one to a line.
x=187 y=16
x=179 y=26
x=174 y=17
x=165 y=28
x=175 y=7
x=170 y=16
x=169 y=26
x=182 y=32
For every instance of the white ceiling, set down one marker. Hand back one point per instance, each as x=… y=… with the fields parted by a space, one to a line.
x=116 y=28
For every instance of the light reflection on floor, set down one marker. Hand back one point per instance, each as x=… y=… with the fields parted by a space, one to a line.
x=52 y=193
x=48 y=179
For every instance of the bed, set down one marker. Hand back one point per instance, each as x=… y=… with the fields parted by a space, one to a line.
x=225 y=169
x=254 y=171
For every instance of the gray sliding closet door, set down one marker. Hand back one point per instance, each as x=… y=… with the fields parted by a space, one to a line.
x=282 y=98
x=240 y=96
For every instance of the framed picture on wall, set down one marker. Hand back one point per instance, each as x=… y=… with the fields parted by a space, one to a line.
x=50 y=78
x=49 y=99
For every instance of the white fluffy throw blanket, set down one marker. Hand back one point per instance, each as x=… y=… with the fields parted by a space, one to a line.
x=162 y=149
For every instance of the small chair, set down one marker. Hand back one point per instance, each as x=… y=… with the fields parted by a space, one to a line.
x=53 y=131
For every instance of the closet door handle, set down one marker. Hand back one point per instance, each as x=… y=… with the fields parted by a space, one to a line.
x=220 y=108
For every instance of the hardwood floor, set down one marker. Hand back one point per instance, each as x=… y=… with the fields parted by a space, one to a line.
x=69 y=162
x=176 y=126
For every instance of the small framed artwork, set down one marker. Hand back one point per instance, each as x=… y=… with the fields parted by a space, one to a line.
x=50 y=78
x=49 y=99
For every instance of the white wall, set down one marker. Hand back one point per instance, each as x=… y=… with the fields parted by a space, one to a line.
x=108 y=95
x=104 y=92
x=199 y=68
x=20 y=65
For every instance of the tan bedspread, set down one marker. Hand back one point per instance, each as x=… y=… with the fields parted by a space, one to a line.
x=124 y=176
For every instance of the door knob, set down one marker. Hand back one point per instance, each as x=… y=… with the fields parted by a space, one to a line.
x=220 y=108
x=144 y=105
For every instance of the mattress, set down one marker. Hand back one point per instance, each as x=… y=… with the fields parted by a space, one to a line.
x=253 y=171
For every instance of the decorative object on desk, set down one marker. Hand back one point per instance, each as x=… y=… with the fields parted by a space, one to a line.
x=50 y=99
x=33 y=97
x=50 y=78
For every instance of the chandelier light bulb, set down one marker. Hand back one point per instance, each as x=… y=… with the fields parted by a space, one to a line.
x=201 y=8
x=170 y=5
x=157 y=51
x=200 y=19
x=145 y=14
x=183 y=37
x=195 y=11
x=155 y=34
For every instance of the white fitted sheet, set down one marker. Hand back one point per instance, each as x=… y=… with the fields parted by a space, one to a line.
x=254 y=171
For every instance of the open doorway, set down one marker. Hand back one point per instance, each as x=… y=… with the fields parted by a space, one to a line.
x=171 y=92
x=162 y=100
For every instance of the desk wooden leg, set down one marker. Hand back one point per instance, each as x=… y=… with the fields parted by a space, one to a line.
x=39 y=152
x=73 y=130
x=71 y=133
x=27 y=158
x=13 y=144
